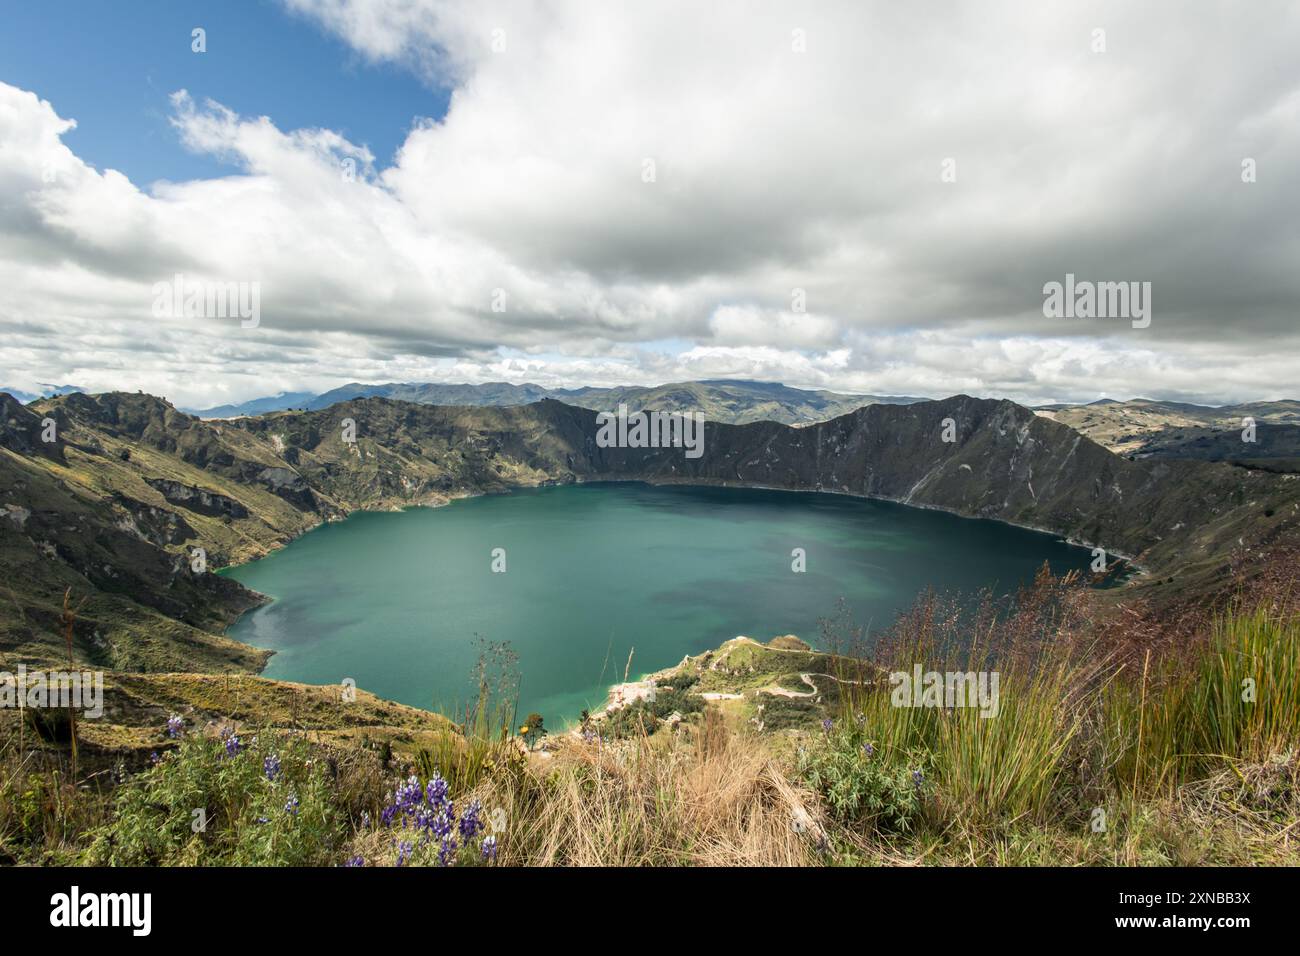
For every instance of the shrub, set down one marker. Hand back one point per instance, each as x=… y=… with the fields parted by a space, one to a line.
x=220 y=802
x=643 y=716
x=863 y=786
x=782 y=713
x=43 y=817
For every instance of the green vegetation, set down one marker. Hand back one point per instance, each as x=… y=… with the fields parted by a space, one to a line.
x=645 y=717
x=1237 y=702
x=882 y=791
x=225 y=802
x=1099 y=753
x=1103 y=751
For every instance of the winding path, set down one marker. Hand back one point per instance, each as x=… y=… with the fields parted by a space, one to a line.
x=807 y=678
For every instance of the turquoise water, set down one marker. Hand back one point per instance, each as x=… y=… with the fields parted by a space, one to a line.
x=394 y=600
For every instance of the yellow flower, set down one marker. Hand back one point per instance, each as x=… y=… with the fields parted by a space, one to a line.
x=524 y=729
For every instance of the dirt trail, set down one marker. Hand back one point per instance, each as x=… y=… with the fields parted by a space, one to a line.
x=807 y=678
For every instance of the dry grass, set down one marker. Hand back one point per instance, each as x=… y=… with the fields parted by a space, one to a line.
x=706 y=798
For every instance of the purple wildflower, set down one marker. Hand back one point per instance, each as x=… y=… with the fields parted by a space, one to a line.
x=271 y=766
x=827 y=724
x=868 y=749
x=233 y=745
x=404 y=851
x=355 y=861
x=489 y=848
x=917 y=777
x=441 y=825
x=408 y=796
x=470 y=824
x=175 y=726
x=447 y=851
x=291 y=805
x=436 y=792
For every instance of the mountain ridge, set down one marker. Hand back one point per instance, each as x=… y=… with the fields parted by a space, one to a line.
x=729 y=400
x=117 y=504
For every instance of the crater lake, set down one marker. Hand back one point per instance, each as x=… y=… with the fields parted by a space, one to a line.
x=396 y=600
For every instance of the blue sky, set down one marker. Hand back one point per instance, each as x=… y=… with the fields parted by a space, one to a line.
x=112 y=66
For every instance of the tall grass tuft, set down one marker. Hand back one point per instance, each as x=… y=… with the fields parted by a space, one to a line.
x=482 y=743
x=1235 y=698
x=1004 y=767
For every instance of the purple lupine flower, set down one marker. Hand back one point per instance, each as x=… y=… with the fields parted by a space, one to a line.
x=175 y=726
x=470 y=824
x=441 y=825
x=489 y=848
x=355 y=861
x=403 y=802
x=291 y=805
x=436 y=792
x=408 y=796
x=917 y=777
x=868 y=749
x=827 y=724
x=404 y=851
x=365 y=819
x=447 y=851
x=154 y=758
x=231 y=740
x=271 y=767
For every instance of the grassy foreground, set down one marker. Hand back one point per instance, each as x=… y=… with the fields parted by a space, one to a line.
x=1116 y=741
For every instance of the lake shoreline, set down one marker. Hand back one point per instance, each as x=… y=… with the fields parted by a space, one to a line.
x=909 y=576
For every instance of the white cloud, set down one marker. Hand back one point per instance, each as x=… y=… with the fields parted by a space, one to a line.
x=773 y=171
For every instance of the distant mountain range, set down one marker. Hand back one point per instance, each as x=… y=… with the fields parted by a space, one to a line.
x=1143 y=428
x=279 y=402
x=46 y=391
x=1138 y=428
x=720 y=400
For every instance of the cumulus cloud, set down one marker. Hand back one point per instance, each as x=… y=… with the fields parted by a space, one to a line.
x=612 y=177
